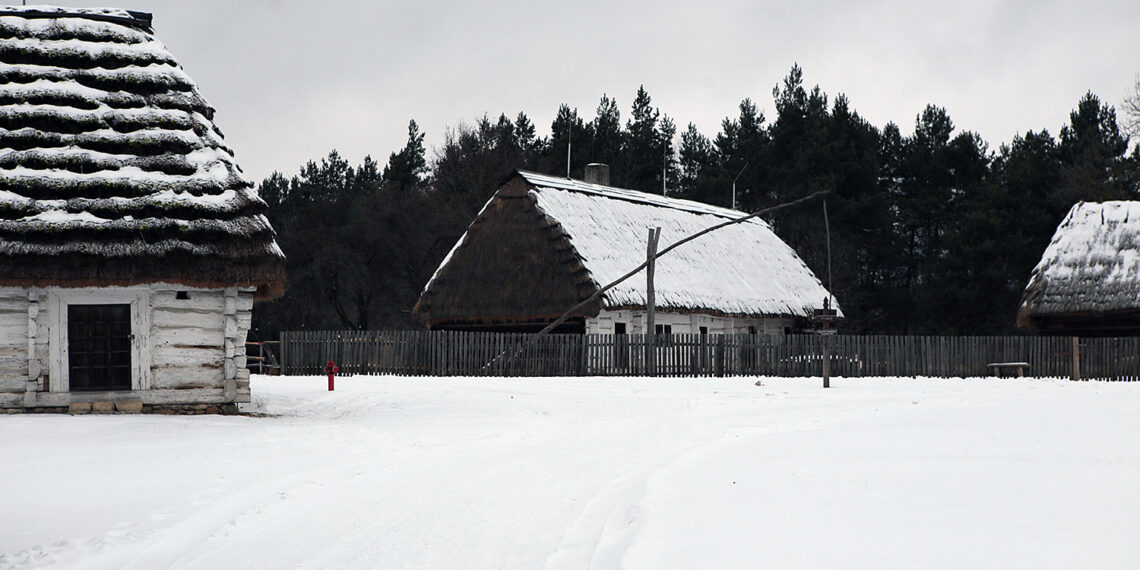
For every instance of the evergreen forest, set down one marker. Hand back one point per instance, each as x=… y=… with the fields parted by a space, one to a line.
x=932 y=230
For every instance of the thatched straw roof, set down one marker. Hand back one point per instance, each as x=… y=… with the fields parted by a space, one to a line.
x=1090 y=271
x=543 y=243
x=112 y=171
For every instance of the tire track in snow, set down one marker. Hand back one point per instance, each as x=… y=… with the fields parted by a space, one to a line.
x=609 y=523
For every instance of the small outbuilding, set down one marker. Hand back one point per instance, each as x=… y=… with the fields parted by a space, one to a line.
x=131 y=247
x=542 y=244
x=1088 y=280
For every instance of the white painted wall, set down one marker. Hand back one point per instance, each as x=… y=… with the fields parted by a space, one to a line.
x=14 y=339
x=184 y=351
x=685 y=323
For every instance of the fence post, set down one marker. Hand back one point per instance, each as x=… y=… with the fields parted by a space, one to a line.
x=282 y=336
x=718 y=356
x=1076 y=358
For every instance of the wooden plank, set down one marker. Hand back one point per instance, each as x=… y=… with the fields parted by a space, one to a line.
x=204 y=301
x=183 y=377
x=14 y=328
x=1076 y=359
x=14 y=380
x=18 y=304
x=13 y=368
x=178 y=355
x=188 y=336
x=158 y=396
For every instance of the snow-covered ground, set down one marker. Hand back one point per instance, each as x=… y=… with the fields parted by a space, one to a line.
x=588 y=473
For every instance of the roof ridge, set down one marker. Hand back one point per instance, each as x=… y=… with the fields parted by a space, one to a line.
x=142 y=21
x=629 y=195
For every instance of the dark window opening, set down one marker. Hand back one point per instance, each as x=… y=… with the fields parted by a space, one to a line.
x=787 y=330
x=752 y=329
x=704 y=331
x=664 y=335
x=182 y=295
x=99 y=347
x=621 y=346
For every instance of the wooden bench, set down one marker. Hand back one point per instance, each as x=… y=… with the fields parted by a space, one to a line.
x=996 y=367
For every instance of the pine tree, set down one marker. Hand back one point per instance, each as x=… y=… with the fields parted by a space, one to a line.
x=643 y=154
x=1092 y=152
x=566 y=131
x=527 y=139
x=698 y=164
x=666 y=134
x=605 y=134
x=274 y=190
x=741 y=146
x=406 y=168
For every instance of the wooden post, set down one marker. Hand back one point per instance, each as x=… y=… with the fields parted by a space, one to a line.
x=651 y=257
x=1076 y=358
x=826 y=316
x=826 y=360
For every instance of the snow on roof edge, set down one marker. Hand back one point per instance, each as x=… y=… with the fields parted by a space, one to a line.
x=1092 y=263
x=548 y=181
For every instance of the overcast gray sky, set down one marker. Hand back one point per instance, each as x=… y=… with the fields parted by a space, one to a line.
x=292 y=80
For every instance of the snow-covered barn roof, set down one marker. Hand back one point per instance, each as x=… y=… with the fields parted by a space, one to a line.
x=112 y=171
x=1091 y=267
x=600 y=232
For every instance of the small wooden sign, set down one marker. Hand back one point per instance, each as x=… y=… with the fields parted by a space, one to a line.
x=825 y=315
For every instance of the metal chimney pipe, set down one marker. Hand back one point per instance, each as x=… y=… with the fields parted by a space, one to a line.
x=598 y=173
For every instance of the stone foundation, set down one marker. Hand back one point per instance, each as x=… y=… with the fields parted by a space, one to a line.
x=131 y=407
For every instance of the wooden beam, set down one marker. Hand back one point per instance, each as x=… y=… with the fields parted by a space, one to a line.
x=650 y=309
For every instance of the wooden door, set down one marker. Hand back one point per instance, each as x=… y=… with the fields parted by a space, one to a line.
x=99 y=347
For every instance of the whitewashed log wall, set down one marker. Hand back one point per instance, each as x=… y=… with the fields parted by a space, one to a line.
x=189 y=350
x=686 y=323
x=15 y=315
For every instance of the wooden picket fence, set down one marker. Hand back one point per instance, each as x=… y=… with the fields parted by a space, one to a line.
x=1110 y=358
x=445 y=353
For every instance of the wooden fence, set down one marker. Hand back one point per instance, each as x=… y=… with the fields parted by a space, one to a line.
x=444 y=353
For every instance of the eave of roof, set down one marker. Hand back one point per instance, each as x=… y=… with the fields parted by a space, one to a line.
x=110 y=161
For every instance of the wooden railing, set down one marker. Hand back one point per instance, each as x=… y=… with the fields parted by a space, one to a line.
x=443 y=353
x=261 y=357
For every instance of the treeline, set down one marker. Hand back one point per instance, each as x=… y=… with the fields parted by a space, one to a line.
x=931 y=231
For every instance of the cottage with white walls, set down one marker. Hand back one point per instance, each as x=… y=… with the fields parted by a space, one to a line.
x=542 y=244
x=131 y=247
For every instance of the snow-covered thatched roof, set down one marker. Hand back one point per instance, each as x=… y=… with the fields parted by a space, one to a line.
x=1091 y=267
x=112 y=171
x=597 y=234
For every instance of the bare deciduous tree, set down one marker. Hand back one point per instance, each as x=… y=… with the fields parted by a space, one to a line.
x=1131 y=108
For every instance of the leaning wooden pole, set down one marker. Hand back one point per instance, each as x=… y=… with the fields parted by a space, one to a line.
x=546 y=330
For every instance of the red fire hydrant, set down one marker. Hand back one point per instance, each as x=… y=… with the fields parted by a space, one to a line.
x=330 y=369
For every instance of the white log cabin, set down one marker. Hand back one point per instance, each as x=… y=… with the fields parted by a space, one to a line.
x=131 y=247
x=542 y=244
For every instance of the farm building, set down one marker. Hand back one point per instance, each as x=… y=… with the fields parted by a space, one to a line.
x=542 y=244
x=131 y=247
x=1088 y=280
